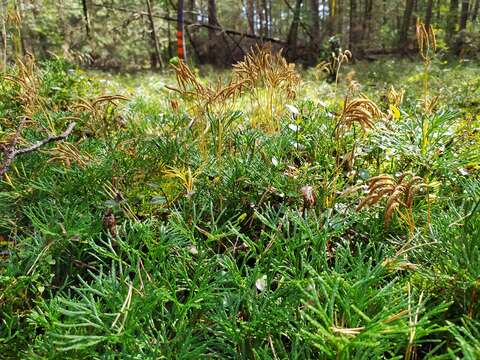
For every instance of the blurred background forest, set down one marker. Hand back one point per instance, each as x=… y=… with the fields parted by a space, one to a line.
x=139 y=34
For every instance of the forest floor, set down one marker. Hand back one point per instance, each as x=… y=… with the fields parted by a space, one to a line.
x=250 y=213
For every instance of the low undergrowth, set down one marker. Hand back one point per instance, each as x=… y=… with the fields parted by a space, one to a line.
x=227 y=220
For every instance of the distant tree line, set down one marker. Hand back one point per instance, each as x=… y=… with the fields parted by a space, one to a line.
x=147 y=33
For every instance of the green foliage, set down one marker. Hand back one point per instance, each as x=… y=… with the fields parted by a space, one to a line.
x=126 y=241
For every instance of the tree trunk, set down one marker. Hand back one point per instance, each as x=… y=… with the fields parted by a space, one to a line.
x=293 y=33
x=64 y=26
x=438 y=12
x=86 y=17
x=22 y=46
x=169 y=33
x=4 y=38
x=181 y=50
x=428 y=13
x=155 y=58
x=475 y=11
x=407 y=18
x=191 y=11
x=213 y=56
x=261 y=18
x=463 y=27
x=451 y=21
x=366 y=21
x=352 y=37
x=464 y=14
x=270 y=19
x=339 y=17
x=266 y=26
x=251 y=16
x=331 y=18
x=315 y=24
x=324 y=9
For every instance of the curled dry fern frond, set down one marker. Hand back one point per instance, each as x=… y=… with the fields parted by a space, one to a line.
x=262 y=68
x=100 y=121
x=360 y=110
x=399 y=192
x=333 y=65
x=190 y=87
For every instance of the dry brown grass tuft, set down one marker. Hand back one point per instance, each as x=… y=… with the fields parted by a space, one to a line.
x=332 y=66
x=28 y=83
x=427 y=43
x=399 y=192
x=191 y=88
x=262 y=68
x=272 y=82
x=101 y=110
x=360 y=110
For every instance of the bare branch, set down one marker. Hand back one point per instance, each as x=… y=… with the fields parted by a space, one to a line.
x=10 y=152
x=50 y=139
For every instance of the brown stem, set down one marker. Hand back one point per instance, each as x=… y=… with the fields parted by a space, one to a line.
x=10 y=152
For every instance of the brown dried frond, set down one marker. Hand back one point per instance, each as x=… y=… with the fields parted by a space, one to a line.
x=344 y=56
x=262 y=68
x=399 y=193
x=68 y=153
x=325 y=66
x=427 y=42
x=333 y=65
x=108 y=98
x=28 y=81
x=13 y=17
x=187 y=81
x=190 y=87
x=93 y=104
x=101 y=119
x=361 y=110
x=430 y=103
x=395 y=97
x=354 y=87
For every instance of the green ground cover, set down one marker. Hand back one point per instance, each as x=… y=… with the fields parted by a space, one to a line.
x=274 y=217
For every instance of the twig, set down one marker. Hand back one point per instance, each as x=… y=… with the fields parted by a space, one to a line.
x=11 y=152
x=48 y=140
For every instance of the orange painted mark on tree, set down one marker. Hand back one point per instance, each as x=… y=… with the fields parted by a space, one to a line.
x=180 y=44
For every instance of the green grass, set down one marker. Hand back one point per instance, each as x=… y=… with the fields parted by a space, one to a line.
x=240 y=267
